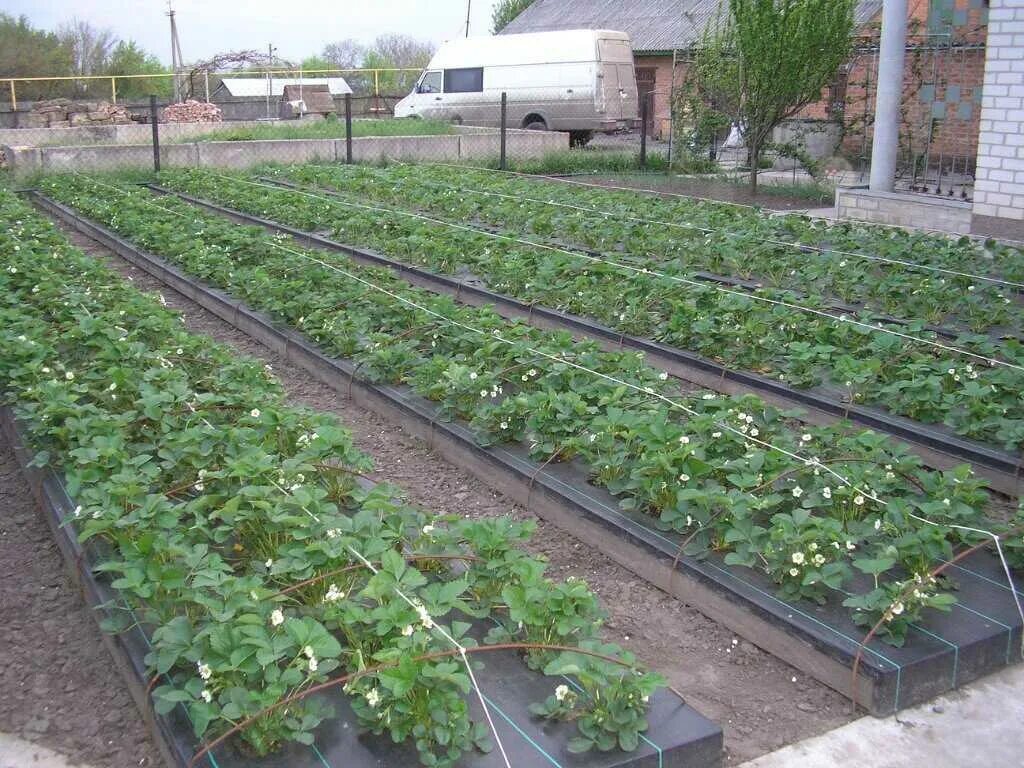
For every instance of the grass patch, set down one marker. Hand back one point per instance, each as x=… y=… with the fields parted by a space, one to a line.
x=331 y=128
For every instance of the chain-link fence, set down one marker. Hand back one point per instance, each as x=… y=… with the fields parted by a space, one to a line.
x=533 y=130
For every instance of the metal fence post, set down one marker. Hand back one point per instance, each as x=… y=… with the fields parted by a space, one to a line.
x=348 y=128
x=153 y=119
x=504 y=113
x=643 y=130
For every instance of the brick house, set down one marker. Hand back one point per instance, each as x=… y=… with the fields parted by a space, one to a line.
x=944 y=71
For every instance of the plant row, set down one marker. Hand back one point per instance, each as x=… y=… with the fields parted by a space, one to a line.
x=857 y=363
x=963 y=254
x=235 y=530
x=718 y=470
x=898 y=290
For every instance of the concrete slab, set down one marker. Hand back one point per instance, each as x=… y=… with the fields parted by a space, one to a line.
x=18 y=753
x=981 y=724
x=245 y=154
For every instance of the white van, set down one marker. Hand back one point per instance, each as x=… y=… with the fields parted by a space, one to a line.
x=578 y=80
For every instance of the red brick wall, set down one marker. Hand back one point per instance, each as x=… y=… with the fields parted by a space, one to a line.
x=663 y=87
x=956 y=71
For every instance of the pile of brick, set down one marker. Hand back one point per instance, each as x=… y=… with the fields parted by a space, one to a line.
x=192 y=112
x=64 y=113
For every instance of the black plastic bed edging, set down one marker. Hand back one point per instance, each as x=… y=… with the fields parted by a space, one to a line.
x=678 y=736
x=937 y=445
x=981 y=634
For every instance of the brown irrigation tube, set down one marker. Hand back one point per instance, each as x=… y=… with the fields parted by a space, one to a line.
x=906 y=591
x=377 y=668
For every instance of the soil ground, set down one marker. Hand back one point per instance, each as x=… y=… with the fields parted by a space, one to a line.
x=760 y=702
x=58 y=686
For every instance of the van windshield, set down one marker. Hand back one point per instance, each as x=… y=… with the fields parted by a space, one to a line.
x=430 y=82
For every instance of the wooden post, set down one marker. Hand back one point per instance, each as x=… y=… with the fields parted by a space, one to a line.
x=153 y=118
x=643 y=129
x=14 y=98
x=504 y=113
x=113 y=90
x=348 y=128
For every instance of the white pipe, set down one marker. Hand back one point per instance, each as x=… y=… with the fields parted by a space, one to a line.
x=885 y=146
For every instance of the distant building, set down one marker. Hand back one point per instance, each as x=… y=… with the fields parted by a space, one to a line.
x=249 y=87
x=246 y=98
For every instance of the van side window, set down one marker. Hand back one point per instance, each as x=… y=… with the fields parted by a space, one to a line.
x=431 y=82
x=464 y=80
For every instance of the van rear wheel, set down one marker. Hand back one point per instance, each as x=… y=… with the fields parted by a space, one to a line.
x=580 y=138
x=535 y=124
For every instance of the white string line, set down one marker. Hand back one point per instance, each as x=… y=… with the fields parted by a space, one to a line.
x=992 y=361
x=811 y=462
x=495 y=335
x=647 y=391
x=425 y=617
x=708 y=230
x=418 y=607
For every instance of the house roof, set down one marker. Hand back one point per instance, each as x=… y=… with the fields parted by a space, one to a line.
x=257 y=86
x=653 y=25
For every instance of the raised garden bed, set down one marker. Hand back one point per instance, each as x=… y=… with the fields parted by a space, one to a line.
x=125 y=405
x=943 y=650
x=851 y=364
x=678 y=735
x=938 y=445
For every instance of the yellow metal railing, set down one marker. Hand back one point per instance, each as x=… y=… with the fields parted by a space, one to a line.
x=292 y=73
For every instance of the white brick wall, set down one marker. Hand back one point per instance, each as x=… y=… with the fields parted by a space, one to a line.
x=999 y=183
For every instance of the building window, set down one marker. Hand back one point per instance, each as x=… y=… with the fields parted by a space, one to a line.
x=464 y=80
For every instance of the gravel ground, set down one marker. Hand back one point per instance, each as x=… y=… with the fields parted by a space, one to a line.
x=761 y=702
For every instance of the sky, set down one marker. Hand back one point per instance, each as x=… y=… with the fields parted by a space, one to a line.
x=297 y=29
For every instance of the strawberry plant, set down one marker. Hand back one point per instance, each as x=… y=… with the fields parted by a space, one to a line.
x=910 y=378
x=719 y=470
x=234 y=530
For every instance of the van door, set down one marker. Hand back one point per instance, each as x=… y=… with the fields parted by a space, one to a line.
x=428 y=94
x=615 y=78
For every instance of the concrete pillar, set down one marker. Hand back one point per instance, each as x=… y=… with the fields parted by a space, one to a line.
x=885 y=146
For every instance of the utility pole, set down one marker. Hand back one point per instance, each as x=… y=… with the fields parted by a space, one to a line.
x=468 y=4
x=177 y=62
x=892 y=49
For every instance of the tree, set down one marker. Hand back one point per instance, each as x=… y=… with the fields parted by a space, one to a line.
x=397 y=52
x=506 y=10
x=344 y=54
x=90 y=47
x=128 y=58
x=316 y=64
x=785 y=52
x=29 y=52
